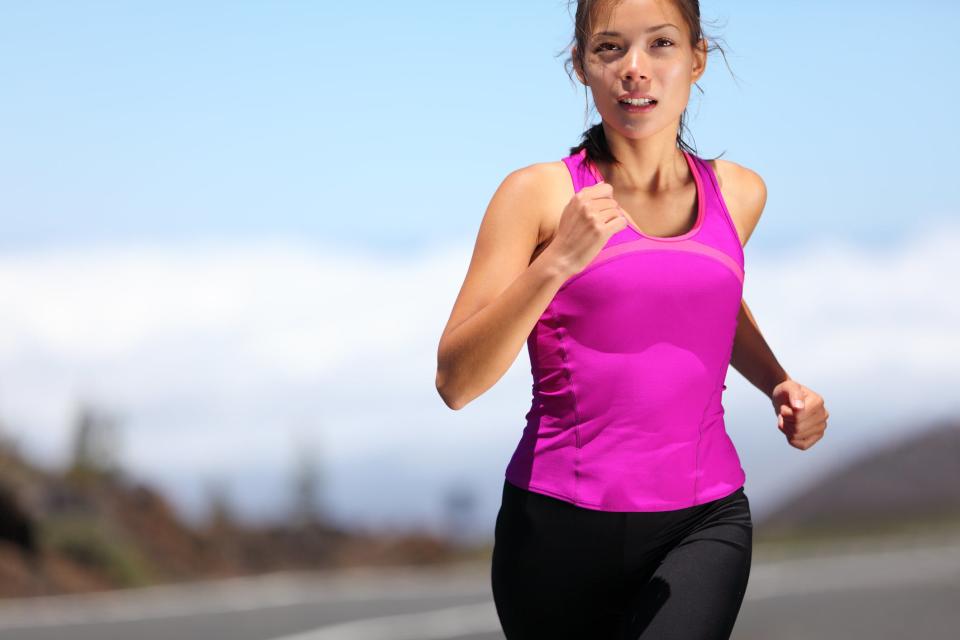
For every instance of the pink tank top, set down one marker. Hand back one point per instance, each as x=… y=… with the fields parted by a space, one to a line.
x=629 y=361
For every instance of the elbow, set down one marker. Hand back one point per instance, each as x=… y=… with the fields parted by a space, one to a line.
x=450 y=398
x=451 y=401
x=447 y=388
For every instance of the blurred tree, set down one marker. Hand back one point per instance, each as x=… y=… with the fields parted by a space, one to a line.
x=459 y=504
x=220 y=516
x=16 y=525
x=96 y=446
x=307 y=483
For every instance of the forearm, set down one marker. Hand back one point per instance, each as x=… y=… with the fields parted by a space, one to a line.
x=478 y=351
x=752 y=356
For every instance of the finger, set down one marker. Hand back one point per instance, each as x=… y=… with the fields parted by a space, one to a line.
x=606 y=204
x=787 y=414
x=616 y=214
x=809 y=442
x=602 y=204
x=806 y=434
x=599 y=190
x=609 y=214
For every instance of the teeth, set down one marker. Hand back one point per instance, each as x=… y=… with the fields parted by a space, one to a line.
x=637 y=101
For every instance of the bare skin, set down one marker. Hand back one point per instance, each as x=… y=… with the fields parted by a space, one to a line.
x=536 y=232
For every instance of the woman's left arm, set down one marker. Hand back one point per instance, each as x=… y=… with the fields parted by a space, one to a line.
x=801 y=414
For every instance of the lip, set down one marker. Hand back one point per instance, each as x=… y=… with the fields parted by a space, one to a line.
x=630 y=108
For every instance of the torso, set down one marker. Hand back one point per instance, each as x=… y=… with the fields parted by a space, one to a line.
x=660 y=216
x=630 y=356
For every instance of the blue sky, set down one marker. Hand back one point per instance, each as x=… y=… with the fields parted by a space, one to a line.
x=243 y=224
x=389 y=125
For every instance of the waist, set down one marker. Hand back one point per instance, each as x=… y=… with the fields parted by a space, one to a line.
x=627 y=466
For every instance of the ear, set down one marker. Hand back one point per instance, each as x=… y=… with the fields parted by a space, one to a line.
x=581 y=76
x=699 y=59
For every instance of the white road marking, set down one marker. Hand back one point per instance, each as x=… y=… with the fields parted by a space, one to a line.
x=248 y=593
x=767 y=580
x=439 y=624
x=797 y=576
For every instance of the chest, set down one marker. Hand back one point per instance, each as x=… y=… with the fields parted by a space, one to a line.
x=668 y=215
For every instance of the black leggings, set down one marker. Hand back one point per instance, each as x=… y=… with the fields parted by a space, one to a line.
x=564 y=571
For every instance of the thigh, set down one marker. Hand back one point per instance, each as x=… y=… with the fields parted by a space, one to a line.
x=557 y=568
x=696 y=590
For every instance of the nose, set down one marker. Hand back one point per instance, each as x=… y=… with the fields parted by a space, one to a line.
x=634 y=65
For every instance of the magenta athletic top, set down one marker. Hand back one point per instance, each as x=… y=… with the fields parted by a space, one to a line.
x=629 y=361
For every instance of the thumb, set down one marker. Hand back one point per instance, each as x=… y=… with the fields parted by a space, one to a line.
x=796 y=400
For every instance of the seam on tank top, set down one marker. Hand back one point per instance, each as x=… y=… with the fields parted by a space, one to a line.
x=696 y=466
x=726 y=213
x=644 y=507
x=601 y=261
x=556 y=494
x=573 y=394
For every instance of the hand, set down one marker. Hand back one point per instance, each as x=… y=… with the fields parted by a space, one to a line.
x=801 y=415
x=586 y=223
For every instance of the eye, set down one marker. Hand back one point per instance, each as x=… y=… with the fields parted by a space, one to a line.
x=601 y=47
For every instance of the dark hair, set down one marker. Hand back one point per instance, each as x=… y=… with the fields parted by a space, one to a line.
x=594 y=140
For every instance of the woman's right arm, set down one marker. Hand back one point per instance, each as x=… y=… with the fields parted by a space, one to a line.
x=503 y=294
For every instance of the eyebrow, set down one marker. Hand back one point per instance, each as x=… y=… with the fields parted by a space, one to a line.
x=650 y=30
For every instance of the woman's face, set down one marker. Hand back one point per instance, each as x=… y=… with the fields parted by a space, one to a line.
x=631 y=50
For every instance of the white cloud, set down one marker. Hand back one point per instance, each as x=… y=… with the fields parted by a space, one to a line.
x=877 y=325
x=216 y=357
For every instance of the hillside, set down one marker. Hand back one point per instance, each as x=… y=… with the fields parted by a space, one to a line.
x=907 y=486
x=85 y=529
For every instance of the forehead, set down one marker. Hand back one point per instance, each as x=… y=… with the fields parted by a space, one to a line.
x=635 y=17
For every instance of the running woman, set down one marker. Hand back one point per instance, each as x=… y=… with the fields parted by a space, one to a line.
x=621 y=267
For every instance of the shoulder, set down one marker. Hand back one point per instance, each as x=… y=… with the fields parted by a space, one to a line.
x=744 y=192
x=541 y=177
x=543 y=189
x=545 y=177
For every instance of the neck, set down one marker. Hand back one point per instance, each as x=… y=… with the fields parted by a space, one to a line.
x=650 y=165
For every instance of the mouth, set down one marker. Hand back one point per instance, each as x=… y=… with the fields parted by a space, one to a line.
x=637 y=105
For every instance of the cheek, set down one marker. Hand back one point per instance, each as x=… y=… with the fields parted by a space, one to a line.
x=598 y=72
x=677 y=77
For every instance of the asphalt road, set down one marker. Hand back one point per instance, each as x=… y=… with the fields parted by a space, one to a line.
x=910 y=592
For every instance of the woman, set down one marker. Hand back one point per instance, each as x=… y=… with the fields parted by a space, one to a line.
x=621 y=266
